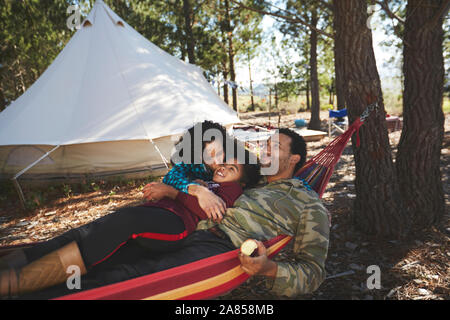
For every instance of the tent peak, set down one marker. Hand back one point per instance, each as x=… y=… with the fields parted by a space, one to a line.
x=90 y=19
x=116 y=20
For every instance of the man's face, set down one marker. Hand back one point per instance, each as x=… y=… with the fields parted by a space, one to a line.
x=278 y=149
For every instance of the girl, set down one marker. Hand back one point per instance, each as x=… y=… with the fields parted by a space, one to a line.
x=194 y=164
x=159 y=226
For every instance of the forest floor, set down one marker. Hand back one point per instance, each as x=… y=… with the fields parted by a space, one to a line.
x=414 y=268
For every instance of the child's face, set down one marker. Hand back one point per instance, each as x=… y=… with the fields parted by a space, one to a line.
x=228 y=172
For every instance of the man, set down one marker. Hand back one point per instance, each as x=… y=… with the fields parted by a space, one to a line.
x=281 y=205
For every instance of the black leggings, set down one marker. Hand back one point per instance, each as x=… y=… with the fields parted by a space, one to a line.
x=156 y=229
x=133 y=261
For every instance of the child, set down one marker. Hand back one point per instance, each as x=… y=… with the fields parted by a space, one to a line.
x=197 y=154
x=229 y=180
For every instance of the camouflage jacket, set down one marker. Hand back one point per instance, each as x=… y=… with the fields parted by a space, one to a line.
x=283 y=207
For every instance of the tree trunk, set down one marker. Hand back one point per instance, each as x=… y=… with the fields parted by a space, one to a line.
x=339 y=73
x=231 y=53
x=225 y=87
x=419 y=150
x=308 y=103
x=187 y=11
x=377 y=207
x=251 y=84
x=276 y=104
x=233 y=73
x=314 y=123
x=276 y=96
x=270 y=103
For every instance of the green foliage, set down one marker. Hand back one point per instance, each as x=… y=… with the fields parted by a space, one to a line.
x=67 y=189
x=35 y=199
x=28 y=28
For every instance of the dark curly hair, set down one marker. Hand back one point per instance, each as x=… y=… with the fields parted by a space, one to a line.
x=201 y=128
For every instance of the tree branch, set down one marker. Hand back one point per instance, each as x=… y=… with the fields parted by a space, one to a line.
x=294 y=20
x=439 y=14
x=386 y=8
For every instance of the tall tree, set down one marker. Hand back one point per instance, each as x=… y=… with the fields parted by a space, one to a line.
x=377 y=207
x=419 y=150
x=314 y=123
x=187 y=12
x=252 y=99
x=339 y=72
x=229 y=27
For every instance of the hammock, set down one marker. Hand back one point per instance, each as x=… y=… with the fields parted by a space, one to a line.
x=318 y=170
x=217 y=275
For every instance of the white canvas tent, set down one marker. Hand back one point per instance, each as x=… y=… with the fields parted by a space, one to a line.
x=110 y=102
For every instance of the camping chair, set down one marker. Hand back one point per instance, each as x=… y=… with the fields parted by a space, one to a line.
x=217 y=275
x=341 y=126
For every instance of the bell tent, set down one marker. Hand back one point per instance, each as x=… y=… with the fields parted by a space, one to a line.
x=111 y=102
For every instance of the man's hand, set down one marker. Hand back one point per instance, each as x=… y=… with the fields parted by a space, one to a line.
x=260 y=265
x=155 y=191
x=212 y=204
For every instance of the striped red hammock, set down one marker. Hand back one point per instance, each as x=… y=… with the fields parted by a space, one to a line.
x=318 y=170
x=217 y=275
